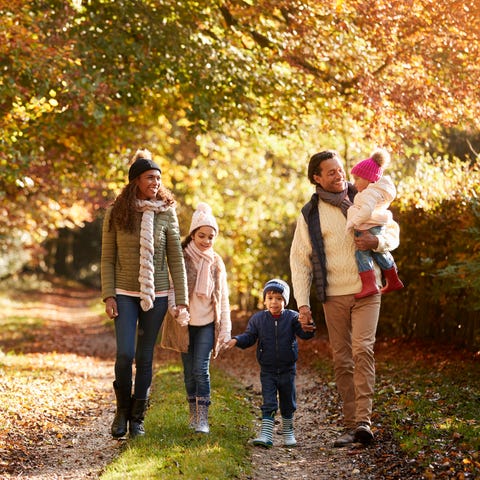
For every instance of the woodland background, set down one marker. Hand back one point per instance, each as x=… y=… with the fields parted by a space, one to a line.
x=232 y=98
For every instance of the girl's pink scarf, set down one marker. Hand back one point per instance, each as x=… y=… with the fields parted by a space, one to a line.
x=203 y=260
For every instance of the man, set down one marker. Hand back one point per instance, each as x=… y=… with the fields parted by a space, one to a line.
x=322 y=250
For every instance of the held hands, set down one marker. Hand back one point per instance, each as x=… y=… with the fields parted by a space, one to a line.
x=180 y=314
x=228 y=345
x=305 y=318
x=183 y=317
x=223 y=343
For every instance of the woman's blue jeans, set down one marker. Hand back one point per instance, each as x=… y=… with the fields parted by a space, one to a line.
x=196 y=362
x=365 y=258
x=136 y=343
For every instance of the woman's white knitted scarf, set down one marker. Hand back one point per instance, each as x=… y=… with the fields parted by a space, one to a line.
x=146 y=274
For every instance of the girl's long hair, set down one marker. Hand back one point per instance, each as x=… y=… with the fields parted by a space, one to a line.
x=188 y=239
x=124 y=214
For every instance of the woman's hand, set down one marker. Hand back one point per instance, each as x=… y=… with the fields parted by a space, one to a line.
x=111 y=307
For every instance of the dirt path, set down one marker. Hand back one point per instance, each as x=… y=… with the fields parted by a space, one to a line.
x=71 y=439
x=317 y=424
x=57 y=426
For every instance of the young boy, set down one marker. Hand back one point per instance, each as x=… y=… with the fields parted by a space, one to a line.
x=275 y=329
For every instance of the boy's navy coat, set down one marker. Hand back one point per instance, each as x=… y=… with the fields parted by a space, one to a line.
x=277 y=348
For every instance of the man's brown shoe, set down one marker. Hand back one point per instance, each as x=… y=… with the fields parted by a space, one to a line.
x=345 y=439
x=363 y=434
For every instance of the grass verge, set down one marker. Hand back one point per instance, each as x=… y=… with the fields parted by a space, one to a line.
x=433 y=409
x=431 y=404
x=171 y=449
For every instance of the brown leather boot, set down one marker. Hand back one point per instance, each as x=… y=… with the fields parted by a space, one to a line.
x=345 y=439
x=363 y=434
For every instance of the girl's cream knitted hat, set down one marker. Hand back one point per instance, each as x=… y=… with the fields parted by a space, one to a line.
x=203 y=217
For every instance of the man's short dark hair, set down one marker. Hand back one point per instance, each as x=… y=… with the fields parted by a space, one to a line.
x=316 y=160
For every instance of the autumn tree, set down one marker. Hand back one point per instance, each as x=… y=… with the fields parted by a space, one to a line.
x=85 y=82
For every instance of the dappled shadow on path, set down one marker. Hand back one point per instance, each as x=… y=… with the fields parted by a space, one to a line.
x=56 y=386
x=60 y=322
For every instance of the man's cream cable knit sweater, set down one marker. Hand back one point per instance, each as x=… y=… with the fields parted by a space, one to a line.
x=342 y=271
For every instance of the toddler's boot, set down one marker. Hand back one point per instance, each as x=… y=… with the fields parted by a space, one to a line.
x=265 y=439
x=369 y=284
x=202 y=415
x=192 y=406
x=287 y=432
x=392 y=281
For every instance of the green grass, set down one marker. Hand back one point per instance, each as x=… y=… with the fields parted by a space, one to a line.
x=19 y=330
x=170 y=450
x=432 y=407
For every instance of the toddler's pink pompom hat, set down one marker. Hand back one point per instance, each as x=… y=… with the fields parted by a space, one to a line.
x=203 y=217
x=372 y=168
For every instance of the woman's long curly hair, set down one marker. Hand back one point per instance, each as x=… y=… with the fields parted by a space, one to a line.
x=124 y=214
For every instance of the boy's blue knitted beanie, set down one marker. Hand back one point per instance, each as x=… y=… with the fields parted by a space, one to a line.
x=279 y=286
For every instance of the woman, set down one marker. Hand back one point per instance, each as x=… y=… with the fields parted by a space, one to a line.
x=140 y=245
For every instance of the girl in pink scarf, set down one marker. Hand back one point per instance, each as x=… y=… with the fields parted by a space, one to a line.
x=209 y=326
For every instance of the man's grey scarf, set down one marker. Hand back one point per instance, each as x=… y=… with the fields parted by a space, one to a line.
x=339 y=199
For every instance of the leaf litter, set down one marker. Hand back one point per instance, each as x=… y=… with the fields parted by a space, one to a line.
x=57 y=404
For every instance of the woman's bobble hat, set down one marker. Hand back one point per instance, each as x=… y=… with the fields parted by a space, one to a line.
x=141 y=165
x=278 y=286
x=203 y=217
x=372 y=168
